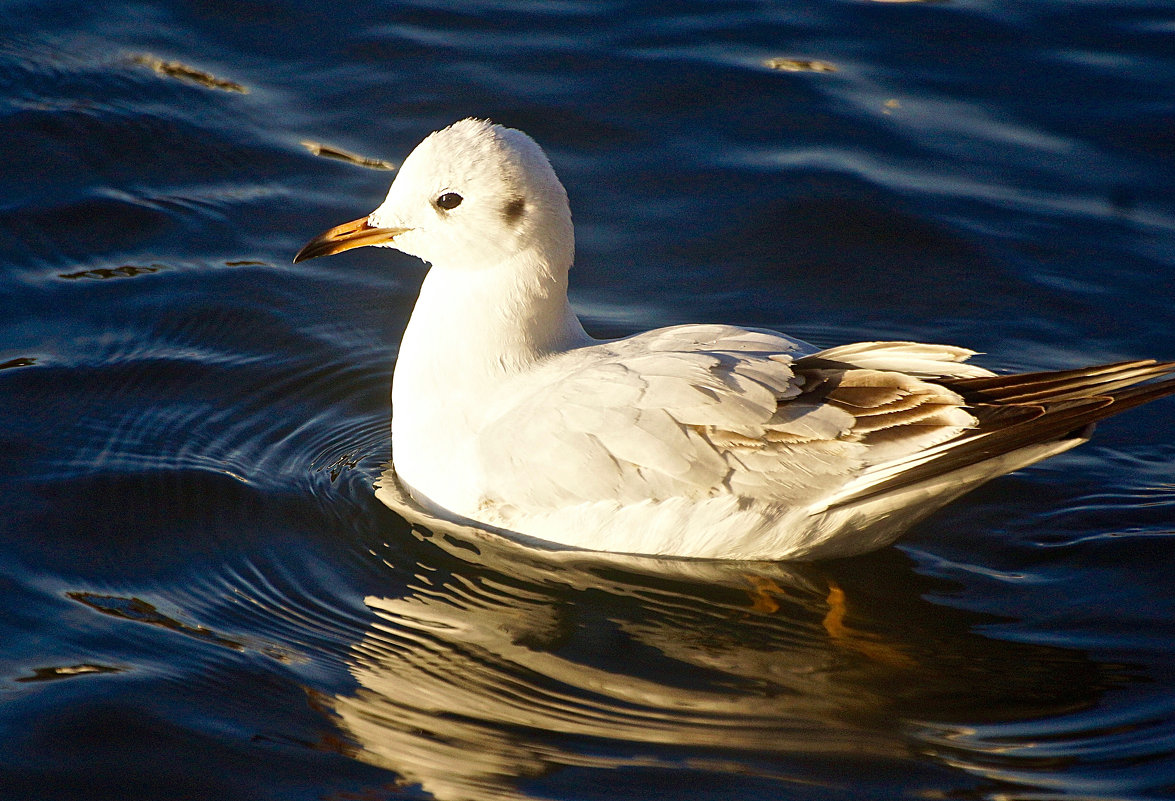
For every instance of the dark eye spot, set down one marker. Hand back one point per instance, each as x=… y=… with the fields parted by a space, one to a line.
x=513 y=209
x=449 y=201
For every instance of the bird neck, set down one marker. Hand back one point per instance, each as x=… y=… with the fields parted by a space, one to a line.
x=473 y=326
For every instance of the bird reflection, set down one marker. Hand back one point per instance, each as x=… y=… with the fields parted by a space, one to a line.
x=503 y=664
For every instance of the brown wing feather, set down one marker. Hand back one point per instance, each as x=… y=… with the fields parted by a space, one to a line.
x=1018 y=411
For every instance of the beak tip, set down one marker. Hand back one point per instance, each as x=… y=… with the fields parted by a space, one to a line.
x=356 y=233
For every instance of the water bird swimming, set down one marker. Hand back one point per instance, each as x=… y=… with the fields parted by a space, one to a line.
x=708 y=441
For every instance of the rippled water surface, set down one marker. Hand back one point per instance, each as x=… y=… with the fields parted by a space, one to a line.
x=200 y=595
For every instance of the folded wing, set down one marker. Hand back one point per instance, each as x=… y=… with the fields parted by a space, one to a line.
x=703 y=411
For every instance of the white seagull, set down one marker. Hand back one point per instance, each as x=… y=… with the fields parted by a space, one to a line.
x=707 y=441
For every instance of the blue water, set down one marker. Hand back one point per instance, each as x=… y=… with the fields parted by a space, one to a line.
x=201 y=598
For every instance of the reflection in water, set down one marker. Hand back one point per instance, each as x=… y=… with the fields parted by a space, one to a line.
x=66 y=672
x=20 y=361
x=466 y=688
x=800 y=65
x=125 y=271
x=332 y=152
x=514 y=662
x=142 y=612
x=183 y=72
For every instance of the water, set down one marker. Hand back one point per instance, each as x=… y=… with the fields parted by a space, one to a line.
x=200 y=596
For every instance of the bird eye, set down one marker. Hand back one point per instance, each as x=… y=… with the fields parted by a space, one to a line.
x=449 y=200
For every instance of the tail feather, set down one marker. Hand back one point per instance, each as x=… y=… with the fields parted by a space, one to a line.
x=1059 y=385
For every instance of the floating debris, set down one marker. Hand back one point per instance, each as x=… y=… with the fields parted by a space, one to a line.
x=21 y=361
x=125 y=271
x=888 y=106
x=329 y=152
x=800 y=65
x=245 y=263
x=67 y=672
x=140 y=611
x=182 y=72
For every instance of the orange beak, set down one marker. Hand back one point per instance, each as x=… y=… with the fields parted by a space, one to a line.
x=354 y=234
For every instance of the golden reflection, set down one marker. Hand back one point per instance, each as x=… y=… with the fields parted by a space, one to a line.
x=865 y=643
x=464 y=690
x=503 y=663
x=182 y=72
x=799 y=65
x=331 y=152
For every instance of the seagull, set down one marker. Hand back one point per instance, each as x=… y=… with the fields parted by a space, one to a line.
x=703 y=441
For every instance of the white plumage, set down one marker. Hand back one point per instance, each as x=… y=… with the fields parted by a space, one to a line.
x=696 y=440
